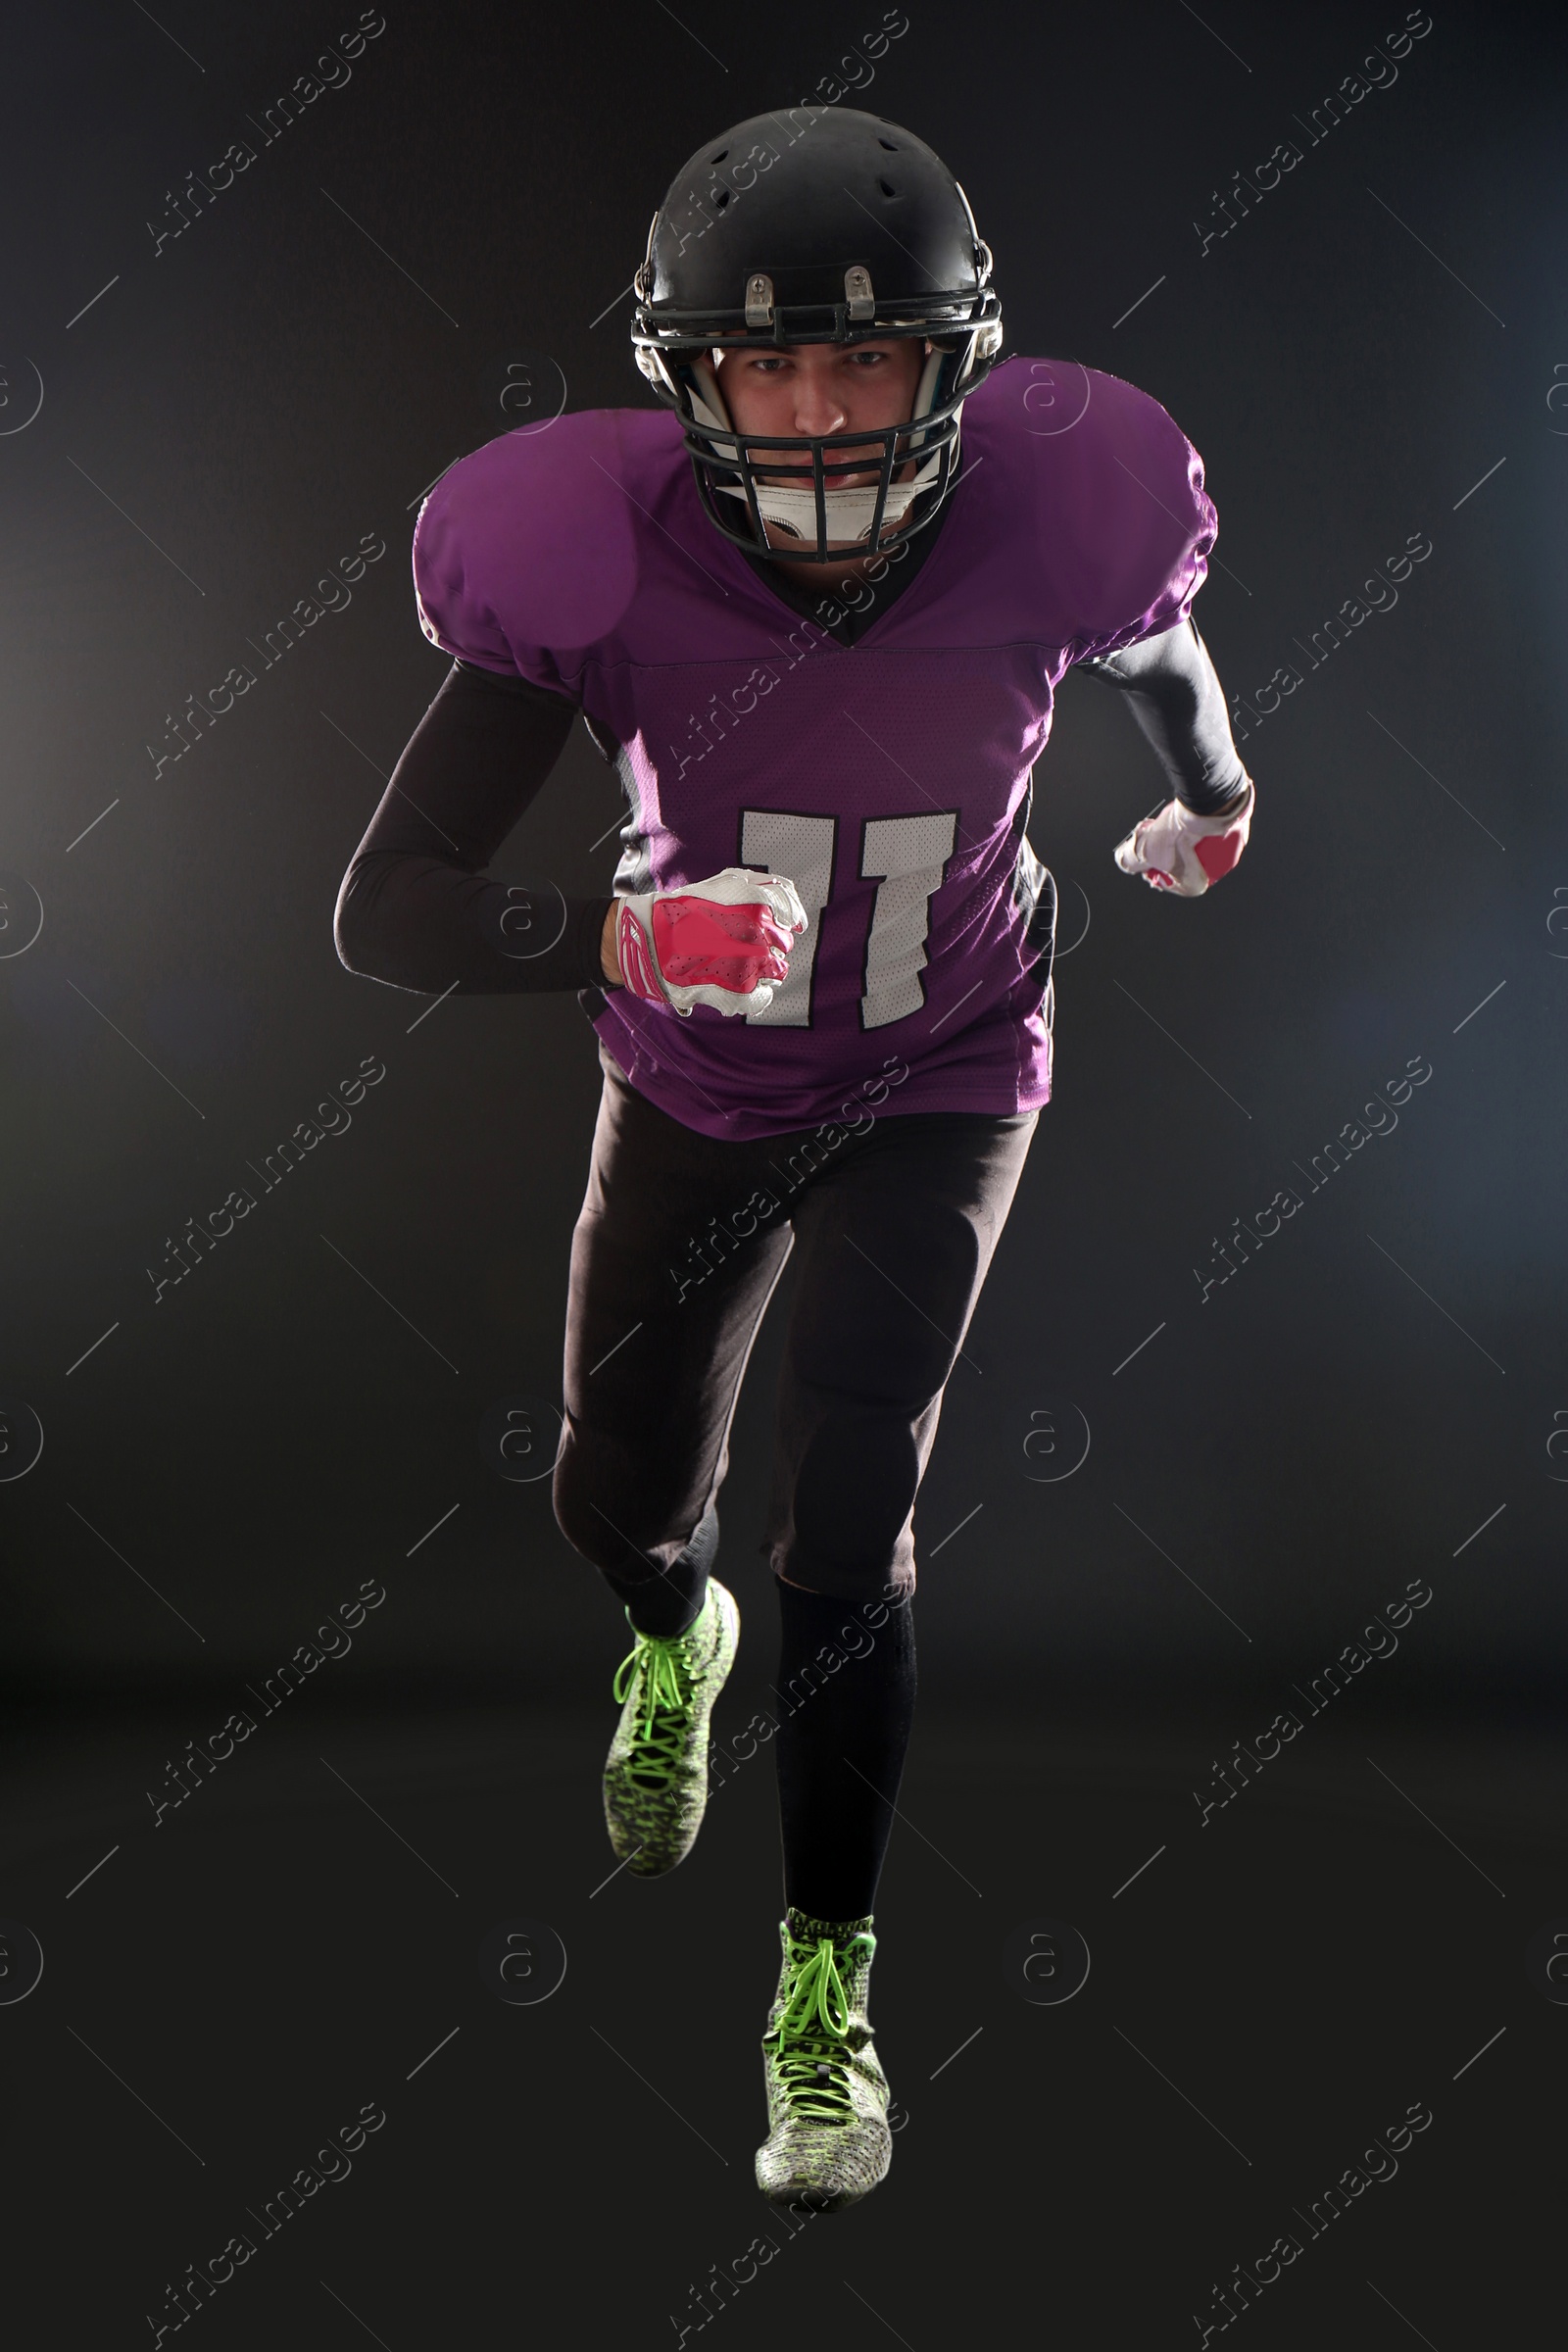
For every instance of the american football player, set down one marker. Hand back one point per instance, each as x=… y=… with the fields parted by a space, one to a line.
x=814 y=604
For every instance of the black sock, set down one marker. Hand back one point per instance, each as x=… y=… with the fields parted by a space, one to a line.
x=842 y=1734
x=671 y=1602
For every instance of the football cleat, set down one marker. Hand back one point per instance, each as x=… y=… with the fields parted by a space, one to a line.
x=656 y=1775
x=829 y=2141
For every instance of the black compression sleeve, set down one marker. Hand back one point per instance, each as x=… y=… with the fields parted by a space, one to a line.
x=1179 y=704
x=416 y=908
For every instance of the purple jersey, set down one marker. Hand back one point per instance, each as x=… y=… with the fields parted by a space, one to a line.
x=889 y=780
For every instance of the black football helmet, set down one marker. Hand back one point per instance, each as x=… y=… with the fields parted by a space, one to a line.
x=816 y=225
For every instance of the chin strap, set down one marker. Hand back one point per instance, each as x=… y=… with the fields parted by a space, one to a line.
x=850 y=512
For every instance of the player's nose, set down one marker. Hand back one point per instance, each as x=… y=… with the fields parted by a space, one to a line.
x=815 y=420
x=818 y=409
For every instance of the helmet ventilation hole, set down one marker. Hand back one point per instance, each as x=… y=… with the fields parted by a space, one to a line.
x=888 y=145
x=722 y=199
x=885 y=191
x=719 y=157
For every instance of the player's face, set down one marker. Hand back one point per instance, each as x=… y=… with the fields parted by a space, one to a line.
x=808 y=390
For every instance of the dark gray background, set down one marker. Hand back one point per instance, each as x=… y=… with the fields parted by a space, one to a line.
x=1270 y=1986
x=270 y=386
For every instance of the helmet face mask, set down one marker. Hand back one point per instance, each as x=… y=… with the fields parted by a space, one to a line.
x=803 y=258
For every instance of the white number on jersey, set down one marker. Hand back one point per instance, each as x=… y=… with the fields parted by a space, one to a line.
x=907 y=856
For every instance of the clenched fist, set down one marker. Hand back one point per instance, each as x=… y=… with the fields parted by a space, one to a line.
x=1179 y=851
x=725 y=942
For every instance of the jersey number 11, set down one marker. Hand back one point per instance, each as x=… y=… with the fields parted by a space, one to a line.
x=905 y=855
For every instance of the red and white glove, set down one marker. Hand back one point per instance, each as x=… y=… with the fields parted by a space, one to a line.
x=725 y=942
x=1176 y=850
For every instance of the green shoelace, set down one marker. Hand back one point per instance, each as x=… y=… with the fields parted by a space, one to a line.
x=809 y=2059
x=665 y=1665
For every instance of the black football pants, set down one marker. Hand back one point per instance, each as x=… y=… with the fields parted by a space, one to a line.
x=680 y=1243
x=681 y=1240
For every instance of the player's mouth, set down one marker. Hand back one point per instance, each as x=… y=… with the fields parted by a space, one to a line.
x=857 y=469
